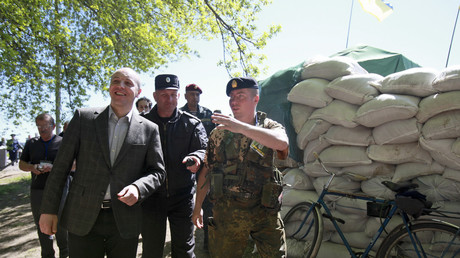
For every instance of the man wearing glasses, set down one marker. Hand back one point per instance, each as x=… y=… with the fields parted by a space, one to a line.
x=38 y=157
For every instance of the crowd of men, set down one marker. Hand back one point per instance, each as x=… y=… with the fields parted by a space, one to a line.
x=119 y=174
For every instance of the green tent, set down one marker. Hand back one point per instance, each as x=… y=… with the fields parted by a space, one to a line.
x=274 y=90
x=378 y=61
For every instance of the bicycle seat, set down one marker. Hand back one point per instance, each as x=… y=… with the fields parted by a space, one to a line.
x=399 y=187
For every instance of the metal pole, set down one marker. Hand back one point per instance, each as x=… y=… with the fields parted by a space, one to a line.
x=452 y=39
x=349 y=22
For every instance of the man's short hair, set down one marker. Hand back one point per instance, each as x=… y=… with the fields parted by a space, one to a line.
x=146 y=99
x=45 y=116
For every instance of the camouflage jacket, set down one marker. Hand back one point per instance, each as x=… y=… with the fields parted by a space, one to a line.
x=241 y=164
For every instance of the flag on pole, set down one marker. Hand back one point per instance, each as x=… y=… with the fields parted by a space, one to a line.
x=378 y=8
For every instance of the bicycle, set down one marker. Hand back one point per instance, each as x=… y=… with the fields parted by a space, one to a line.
x=412 y=238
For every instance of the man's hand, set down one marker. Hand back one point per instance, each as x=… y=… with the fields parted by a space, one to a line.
x=196 y=166
x=47 y=168
x=197 y=218
x=34 y=170
x=129 y=195
x=228 y=123
x=48 y=224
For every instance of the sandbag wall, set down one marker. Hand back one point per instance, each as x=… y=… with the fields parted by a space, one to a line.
x=402 y=127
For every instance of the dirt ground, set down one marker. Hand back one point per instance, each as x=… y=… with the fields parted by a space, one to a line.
x=18 y=231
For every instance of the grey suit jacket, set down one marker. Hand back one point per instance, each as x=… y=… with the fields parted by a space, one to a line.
x=139 y=162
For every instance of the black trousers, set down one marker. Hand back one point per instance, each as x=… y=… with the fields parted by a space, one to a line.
x=103 y=239
x=178 y=211
x=46 y=241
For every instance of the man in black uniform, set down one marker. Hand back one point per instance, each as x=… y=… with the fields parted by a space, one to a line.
x=38 y=157
x=192 y=95
x=182 y=137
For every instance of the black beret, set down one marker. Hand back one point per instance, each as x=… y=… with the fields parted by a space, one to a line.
x=241 y=83
x=193 y=87
x=166 y=82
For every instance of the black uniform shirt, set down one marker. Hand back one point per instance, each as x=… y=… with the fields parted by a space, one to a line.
x=37 y=150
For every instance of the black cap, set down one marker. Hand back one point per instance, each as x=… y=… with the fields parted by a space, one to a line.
x=241 y=83
x=166 y=82
x=193 y=87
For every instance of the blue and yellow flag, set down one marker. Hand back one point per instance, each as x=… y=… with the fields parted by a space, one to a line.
x=378 y=8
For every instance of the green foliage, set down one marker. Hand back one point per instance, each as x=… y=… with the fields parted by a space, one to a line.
x=54 y=51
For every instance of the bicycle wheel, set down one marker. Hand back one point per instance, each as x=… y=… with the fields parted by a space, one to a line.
x=434 y=239
x=308 y=229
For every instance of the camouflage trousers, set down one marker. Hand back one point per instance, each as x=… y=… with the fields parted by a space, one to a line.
x=232 y=225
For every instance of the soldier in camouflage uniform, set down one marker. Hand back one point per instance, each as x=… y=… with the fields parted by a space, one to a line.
x=243 y=182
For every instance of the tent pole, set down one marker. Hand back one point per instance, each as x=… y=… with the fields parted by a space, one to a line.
x=349 y=23
x=452 y=39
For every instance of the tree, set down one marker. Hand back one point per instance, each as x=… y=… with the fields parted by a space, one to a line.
x=55 y=51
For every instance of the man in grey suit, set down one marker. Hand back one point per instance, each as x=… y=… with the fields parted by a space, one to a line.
x=119 y=163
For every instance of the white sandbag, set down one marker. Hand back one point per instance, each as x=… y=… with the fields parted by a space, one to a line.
x=353 y=222
x=339 y=183
x=451 y=174
x=329 y=249
x=456 y=147
x=443 y=125
x=370 y=171
x=414 y=81
x=343 y=156
x=291 y=227
x=337 y=112
x=310 y=92
x=437 y=103
x=385 y=108
x=354 y=89
x=437 y=188
x=450 y=206
x=358 y=136
x=315 y=146
x=374 y=187
x=299 y=114
x=441 y=151
x=295 y=248
x=399 y=131
x=311 y=130
x=399 y=153
x=408 y=171
x=351 y=206
x=448 y=79
x=330 y=68
x=373 y=224
x=292 y=197
x=297 y=179
x=314 y=169
x=284 y=209
x=355 y=240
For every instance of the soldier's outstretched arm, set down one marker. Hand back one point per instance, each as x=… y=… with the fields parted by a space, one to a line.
x=274 y=138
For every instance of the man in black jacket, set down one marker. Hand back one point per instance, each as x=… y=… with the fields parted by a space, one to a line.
x=192 y=95
x=183 y=137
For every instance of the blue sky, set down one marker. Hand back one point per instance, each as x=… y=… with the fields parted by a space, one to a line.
x=419 y=29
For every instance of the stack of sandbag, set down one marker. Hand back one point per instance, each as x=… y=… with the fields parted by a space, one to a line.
x=367 y=128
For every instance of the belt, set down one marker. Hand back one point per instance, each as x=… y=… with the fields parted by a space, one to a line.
x=106 y=204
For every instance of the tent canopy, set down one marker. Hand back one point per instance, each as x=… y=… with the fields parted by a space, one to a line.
x=274 y=90
x=376 y=60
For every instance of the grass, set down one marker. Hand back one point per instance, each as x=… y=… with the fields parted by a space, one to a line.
x=14 y=184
